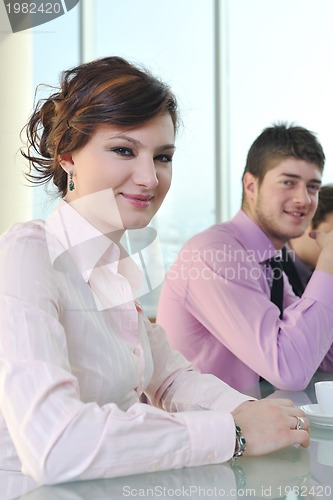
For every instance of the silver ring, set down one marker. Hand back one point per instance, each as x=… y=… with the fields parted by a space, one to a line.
x=300 y=424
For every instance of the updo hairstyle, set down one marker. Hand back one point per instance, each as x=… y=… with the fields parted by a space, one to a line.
x=107 y=91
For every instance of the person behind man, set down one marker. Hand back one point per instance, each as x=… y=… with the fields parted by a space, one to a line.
x=215 y=304
x=300 y=255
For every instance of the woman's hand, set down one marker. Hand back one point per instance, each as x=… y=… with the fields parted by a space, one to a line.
x=270 y=424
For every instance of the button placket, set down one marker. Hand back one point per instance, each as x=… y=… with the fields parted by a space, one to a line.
x=138 y=351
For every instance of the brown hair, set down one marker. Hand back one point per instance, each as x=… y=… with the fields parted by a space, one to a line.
x=325 y=205
x=279 y=142
x=107 y=91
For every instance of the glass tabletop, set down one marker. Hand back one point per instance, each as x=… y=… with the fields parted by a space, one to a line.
x=292 y=473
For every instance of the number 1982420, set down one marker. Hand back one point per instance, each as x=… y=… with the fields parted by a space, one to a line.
x=33 y=8
x=316 y=491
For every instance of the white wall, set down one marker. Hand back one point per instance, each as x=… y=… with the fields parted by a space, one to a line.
x=28 y=58
x=15 y=98
x=56 y=47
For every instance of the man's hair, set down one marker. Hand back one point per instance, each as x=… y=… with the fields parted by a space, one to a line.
x=325 y=205
x=282 y=141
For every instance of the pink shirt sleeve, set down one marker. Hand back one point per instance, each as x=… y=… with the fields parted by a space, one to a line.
x=207 y=306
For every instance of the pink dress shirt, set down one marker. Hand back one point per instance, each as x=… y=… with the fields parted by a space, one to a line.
x=76 y=352
x=215 y=308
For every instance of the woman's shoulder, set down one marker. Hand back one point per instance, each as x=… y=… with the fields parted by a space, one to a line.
x=23 y=236
x=25 y=263
x=33 y=229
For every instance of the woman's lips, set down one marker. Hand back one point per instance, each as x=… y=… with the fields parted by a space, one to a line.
x=138 y=200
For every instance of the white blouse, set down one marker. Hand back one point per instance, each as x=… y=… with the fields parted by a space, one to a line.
x=76 y=352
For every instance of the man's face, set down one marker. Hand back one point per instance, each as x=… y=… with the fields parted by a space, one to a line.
x=285 y=202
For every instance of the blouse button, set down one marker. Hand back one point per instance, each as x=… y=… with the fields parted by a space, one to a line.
x=137 y=351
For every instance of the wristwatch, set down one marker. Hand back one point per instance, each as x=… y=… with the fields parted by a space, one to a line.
x=240 y=443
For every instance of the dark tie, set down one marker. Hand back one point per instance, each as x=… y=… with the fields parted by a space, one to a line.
x=290 y=269
x=276 y=288
x=277 y=283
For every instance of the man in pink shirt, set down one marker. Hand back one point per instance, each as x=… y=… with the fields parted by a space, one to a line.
x=216 y=304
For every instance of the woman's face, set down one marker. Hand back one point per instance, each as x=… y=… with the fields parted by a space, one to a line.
x=121 y=176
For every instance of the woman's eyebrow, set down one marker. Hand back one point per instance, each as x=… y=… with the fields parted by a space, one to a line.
x=166 y=146
x=126 y=138
x=138 y=143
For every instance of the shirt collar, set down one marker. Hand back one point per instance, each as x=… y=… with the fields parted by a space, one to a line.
x=253 y=238
x=83 y=242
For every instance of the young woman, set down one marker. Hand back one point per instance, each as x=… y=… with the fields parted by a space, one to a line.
x=76 y=351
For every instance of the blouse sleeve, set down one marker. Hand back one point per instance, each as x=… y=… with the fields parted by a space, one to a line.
x=176 y=386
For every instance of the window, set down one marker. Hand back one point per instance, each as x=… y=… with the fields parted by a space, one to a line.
x=236 y=66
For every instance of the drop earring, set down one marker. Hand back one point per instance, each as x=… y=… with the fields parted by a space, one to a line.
x=71 y=184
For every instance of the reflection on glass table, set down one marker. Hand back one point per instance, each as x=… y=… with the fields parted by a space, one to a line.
x=290 y=474
x=253 y=477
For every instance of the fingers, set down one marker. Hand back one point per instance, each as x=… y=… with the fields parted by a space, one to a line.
x=323 y=238
x=296 y=428
x=300 y=423
x=298 y=420
x=299 y=426
x=302 y=430
x=269 y=425
x=301 y=437
x=298 y=417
